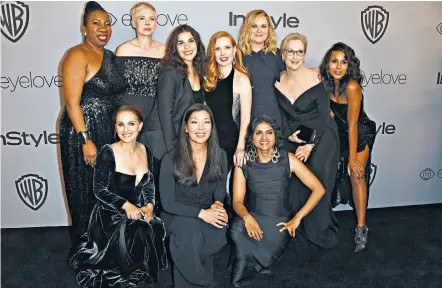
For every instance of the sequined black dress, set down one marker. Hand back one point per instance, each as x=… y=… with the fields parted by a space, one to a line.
x=267 y=200
x=98 y=101
x=342 y=191
x=120 y=252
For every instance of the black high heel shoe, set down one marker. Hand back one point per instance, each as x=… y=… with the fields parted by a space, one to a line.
x=361 y=238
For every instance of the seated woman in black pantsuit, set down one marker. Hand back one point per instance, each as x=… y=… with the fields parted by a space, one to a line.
x=258 y=241
x=193 y=184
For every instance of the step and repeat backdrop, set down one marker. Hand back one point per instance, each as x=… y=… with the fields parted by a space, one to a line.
x=399 y=45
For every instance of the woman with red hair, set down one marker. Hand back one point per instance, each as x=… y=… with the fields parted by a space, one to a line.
x=229 y=95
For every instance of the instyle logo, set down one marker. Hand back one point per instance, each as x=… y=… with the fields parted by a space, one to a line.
x=32 y=190
x=373 y=170
x=384 y=78
x=439 y=28
x=280 y=21
x=386 y=129
x=162 y=19
x=439 y=78
x=14 y=20
x=15 y=138
x=30 y=81
x=374 y=22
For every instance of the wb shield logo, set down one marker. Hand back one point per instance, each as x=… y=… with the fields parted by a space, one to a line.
x=374 y=21
x=14 y=19
x=373 y=170
x=32 y=190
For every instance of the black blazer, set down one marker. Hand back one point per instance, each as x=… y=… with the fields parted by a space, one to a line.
x=174 y=96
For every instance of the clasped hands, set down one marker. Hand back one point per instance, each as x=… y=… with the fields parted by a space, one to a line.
x=216 y=215
x=254 y=230
x=303 y=152
x=135 y=212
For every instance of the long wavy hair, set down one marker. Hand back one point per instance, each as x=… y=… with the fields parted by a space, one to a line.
x=172 y=59
x=353 y=71
x=184 y=168
x=279 y=139
x=212 y=72
x=244 y=36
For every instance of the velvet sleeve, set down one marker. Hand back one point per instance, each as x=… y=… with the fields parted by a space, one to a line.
x=220 y=191
x=166 y=95
x=148 y=190
x=167 y=188
x=103 y=182
x=323 y=104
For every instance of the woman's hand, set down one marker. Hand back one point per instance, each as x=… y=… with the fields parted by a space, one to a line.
x=147 y=212
x=253 y=228
x=303 y=152
x=217 y=204
x=240 y=157
x=89 y=153
x=295 y=138
x=132 y=211
x=355 y=168
x=290 y=226
x=216 y=216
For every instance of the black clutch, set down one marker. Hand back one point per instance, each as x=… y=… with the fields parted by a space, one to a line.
x=306 y=134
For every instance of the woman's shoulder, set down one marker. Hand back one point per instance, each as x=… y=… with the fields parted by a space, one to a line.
x=125 y=49
x=106 y=153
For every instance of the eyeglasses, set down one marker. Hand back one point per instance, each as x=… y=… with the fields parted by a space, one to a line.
x=291 y=52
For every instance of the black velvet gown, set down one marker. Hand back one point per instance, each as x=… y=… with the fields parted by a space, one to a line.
x=193 y=242
x=120 y=252
x=342 y=191
x=312 y=109
x=99 y=101
x=267 y=200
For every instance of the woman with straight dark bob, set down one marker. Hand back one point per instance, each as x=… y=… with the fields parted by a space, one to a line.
x=193 y=184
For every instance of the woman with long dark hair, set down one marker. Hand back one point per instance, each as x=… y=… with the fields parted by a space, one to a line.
x=305 y=106
x=180 y=82
x=125 y=241
x=340 y=70
x=193 y=185
x=263 y=209
x=91 y=84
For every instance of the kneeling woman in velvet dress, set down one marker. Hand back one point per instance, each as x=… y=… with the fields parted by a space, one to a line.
x=125 y=244
x=264 y=211
x=193 y=187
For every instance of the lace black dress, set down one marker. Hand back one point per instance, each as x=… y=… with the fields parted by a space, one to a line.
x=267 y=200
x=120 y=252
x=99 y=101
x=342 y=191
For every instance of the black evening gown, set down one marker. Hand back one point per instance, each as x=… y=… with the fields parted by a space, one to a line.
x=312 y=109
x=141 y=76
x=342 y=191
x=99 y=101
x=193 y=242
x=267 y=200
x=120 y=252
x=226 y=108
x=264 y=69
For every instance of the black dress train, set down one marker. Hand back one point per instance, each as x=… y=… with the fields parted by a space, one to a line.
x=342 y=191
x=267 y=200
x=312 y=109
x=99 y=101
x=120 y=252
x=193 y=242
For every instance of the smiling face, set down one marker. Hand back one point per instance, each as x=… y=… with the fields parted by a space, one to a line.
x=337 y=64
x=264 y=137
x=128 y=126
x=259 y=32
x=98 y=29
x=199 y=126
x=294 y=54
x=187 y=47
x=224 y=51
x=145 y=21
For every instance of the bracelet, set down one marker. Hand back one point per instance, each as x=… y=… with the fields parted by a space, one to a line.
x=84 y=136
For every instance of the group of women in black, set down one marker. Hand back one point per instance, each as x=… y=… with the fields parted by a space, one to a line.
x=163 y=141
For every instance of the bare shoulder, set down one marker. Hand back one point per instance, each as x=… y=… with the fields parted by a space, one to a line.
x=241 y=78
x=353 y=87
x=76 y=54
x=125 y=49
x=161 y=49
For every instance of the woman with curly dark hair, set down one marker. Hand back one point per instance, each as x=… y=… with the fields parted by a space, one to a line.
x=342 y=77
x=180 y=82
x=258 y=230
